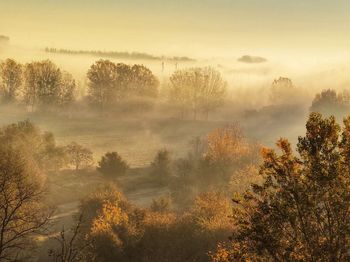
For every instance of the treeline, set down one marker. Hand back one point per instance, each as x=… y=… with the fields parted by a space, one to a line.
x=42 y=85
x=120 y=55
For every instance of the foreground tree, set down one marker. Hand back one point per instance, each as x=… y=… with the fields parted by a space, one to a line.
x=10 y=79
x=22 y=214
x=301 y=210
x=199 y=90
x=112 y=164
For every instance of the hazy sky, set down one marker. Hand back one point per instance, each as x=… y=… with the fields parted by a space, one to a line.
x=198 y=27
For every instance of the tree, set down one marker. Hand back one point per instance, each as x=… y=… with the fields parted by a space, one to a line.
x=199 y=89
x=45 y=85
x=68 y=88
x=102 y=77
x=282 y=91
x=10 y=79
x=161 y=166
x=111 y=164
x=143 y=82
x=39 y=146
x=330 y=102
x=226 y=145
x=78 y=155
x=300 y=210
x=22 y=213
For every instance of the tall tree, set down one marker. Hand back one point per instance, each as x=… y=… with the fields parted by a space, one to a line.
x=301 y=210
x=10 y=79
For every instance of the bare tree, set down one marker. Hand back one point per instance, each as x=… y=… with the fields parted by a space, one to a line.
x=10 y=79
x=22 y=214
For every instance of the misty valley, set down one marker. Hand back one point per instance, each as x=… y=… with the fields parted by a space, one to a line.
x=174 y=132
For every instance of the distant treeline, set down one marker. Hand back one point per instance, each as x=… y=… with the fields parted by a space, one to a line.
x=122 y=55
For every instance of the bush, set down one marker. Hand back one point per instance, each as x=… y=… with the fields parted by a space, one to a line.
x=112 y=164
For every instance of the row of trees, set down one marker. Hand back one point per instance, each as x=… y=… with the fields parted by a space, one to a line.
x=42 y=84
x=110 y=82
x=36 y=84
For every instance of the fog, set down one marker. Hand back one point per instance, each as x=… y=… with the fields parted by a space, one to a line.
x=136 y=124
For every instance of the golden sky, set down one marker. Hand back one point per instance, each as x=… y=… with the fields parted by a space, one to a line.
x=182 y=27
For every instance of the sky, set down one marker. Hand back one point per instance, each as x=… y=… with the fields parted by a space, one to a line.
x=204 y=28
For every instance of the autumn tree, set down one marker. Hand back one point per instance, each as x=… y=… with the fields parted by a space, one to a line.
x=22 y=213
x=40 y=146
x=10 y=79
x=78 y=156
x=283 y=91
x=300 y=210
x=112 y=164
x=228 y=150
x=46 y=85
x=199 y=90
x=120 y=231
x=112 y=226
